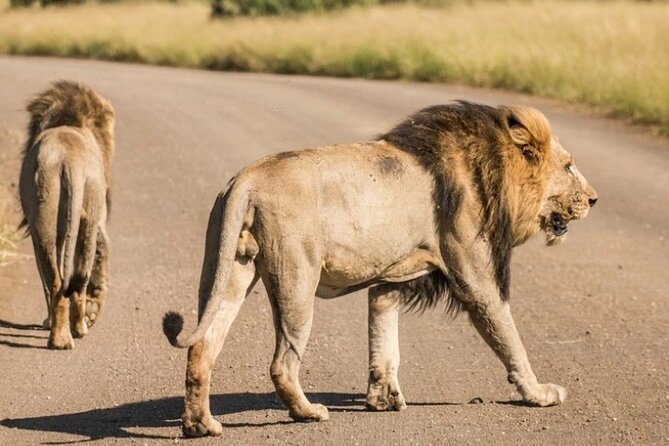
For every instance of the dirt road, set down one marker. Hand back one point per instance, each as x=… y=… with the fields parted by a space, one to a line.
x=593 y=312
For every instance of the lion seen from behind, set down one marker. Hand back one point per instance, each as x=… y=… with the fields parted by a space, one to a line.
x=64 y=189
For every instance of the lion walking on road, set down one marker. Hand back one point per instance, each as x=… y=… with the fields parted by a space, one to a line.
x=65 y=196
x=429 y=212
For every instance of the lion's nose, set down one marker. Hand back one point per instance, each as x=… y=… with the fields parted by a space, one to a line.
x=592 y=201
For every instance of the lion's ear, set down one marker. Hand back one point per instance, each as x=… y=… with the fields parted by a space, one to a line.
x=529 y=130
x=520 y=135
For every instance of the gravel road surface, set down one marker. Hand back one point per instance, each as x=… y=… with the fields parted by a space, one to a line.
x=593 y=313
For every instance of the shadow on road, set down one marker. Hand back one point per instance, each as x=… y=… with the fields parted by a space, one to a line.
x=21 y=327
x=113 y=422
x=8 y=324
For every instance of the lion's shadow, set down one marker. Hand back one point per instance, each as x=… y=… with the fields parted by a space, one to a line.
x=114 y=422
x=25 y=332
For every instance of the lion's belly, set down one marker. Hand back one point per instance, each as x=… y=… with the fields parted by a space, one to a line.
x=395 y=246
x=343 y=275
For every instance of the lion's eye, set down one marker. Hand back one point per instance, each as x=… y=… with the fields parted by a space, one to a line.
x=569 y=168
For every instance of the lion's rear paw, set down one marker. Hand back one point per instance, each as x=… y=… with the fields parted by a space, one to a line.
x=92 y=311
x=206 y=426
x=391 y=401
x=317 y=412
x=79 y=329
x=382 y=396
x=61 y=342
x=547 y=395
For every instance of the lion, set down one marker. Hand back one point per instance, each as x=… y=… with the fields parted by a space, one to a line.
x=64 y=189
x=427 y=213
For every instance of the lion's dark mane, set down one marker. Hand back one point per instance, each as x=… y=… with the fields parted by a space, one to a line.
x=477 y=131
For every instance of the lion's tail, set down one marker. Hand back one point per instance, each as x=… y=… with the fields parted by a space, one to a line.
x=73 y=193
x=225 y=224
x=84 y=209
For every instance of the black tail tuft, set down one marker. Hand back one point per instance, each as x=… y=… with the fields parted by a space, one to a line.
x=173 y=323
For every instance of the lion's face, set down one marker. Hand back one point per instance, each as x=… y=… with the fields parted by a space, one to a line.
x=568 y=197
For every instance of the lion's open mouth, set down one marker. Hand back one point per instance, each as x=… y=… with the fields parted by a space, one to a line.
x=558 y=224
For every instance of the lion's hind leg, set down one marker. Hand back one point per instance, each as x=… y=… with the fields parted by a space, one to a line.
x=292 y=300
x=197 y=419
x=98 y=286
x=42 y=266
x=44 y=230
x=76 y=291
x=84 y=260
x=59 y=335
x=383 y=391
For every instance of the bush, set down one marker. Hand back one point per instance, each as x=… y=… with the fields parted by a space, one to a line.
x=232 y=8
x=20 y=3
x=60 y=2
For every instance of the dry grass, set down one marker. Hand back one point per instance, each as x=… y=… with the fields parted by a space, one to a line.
x=9 y=212
x=614 y=55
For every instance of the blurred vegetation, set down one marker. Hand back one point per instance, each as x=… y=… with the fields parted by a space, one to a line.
x=232 y=8
x=611 y=54
x=43 y=3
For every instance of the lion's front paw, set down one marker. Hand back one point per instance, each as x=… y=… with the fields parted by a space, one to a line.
x=317 y=412
x=200 y=428
x=547 y=395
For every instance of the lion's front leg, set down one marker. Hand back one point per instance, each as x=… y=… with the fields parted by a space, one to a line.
x=495 y=323
x=383 y=391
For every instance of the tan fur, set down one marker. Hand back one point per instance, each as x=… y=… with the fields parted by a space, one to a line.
x=65 y=195
x=428 y=212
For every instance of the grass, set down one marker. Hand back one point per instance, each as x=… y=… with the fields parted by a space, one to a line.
x=613 y=55
x=10 y=142
x=9 y=239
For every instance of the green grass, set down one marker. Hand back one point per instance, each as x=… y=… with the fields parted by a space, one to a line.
x=613 y=55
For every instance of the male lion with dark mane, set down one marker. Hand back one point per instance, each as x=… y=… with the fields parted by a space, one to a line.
x=64 y=191
x=429 y=212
